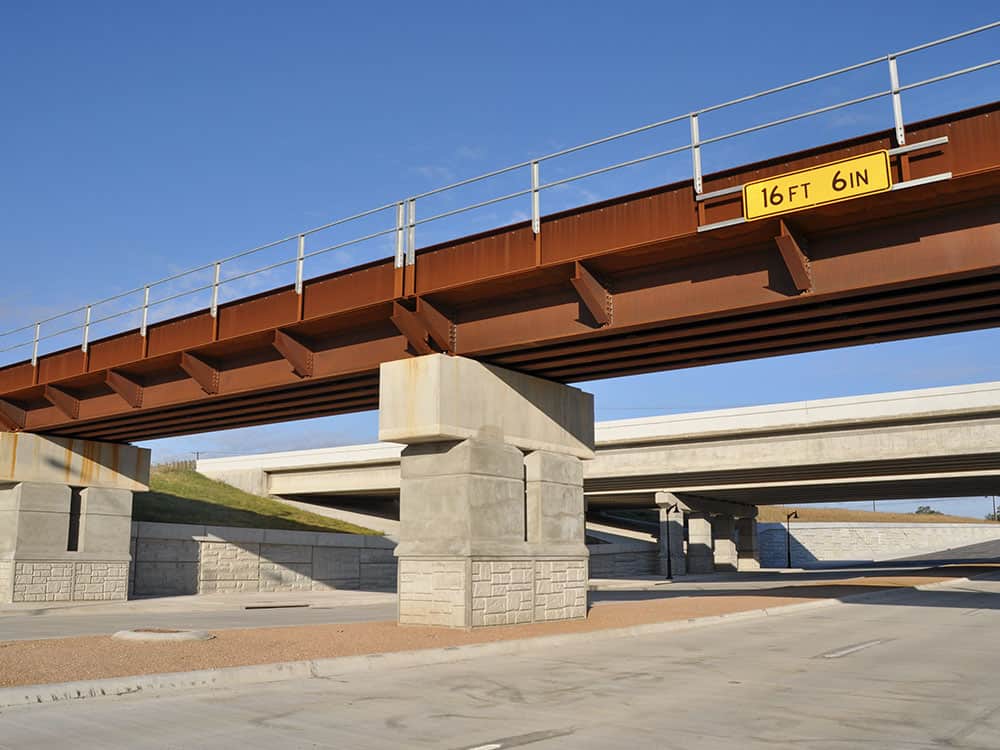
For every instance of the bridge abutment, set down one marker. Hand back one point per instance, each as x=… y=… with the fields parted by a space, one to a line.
x=491 y=492
x=66 y=517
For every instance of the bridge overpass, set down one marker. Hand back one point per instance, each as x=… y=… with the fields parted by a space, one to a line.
x=927 y=443
x=732 y=265
x=466 y=346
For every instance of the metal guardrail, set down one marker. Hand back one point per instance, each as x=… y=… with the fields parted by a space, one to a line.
x=405 y=211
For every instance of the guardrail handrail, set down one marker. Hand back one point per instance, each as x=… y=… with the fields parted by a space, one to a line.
x=406 y=222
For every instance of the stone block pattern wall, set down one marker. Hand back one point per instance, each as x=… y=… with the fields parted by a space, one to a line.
x=560 y=589
x=503 y=592
x=63 y=581
x=433 y=592
x=831 y=542
x=174 y=559
x=100 y=581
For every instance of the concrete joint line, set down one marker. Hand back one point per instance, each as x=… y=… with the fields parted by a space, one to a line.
x=346 y=665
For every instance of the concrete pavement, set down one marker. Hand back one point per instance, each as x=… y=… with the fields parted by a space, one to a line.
x=206 y=612
x=913 y=671
x=225 y=611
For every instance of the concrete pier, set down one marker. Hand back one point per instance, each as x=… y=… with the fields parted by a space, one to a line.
x=747 y=544
x=66 y=517
x=724 y=543
x=491 y=492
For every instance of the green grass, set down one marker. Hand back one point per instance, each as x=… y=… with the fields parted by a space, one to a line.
x=185 y=496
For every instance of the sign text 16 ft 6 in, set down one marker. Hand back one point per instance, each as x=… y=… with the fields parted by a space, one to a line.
x=817 y=186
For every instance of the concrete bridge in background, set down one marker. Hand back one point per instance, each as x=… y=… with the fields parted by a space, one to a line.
x=707 y=471
x=935 y=442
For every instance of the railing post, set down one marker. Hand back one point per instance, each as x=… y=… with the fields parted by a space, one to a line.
x=696 y=153
x=300 y=262
x=86 y=330
x=215 y=290
x=411 y=232
x=145 y=311
x=536 y=214
x=400 y=234
x=34 y=346
x=897 y=102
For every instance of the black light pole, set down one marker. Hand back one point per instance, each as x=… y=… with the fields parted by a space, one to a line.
x=788 y=534
x=995 y=508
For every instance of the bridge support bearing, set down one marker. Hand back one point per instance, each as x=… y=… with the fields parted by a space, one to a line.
x=66 y=517
x=724 y=543
x=491 y=493
x=747 y=547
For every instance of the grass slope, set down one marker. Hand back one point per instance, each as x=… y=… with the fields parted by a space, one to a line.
x=774 y=513
x=185 y=496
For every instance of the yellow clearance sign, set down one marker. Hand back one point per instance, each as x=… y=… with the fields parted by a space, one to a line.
x=817 y=186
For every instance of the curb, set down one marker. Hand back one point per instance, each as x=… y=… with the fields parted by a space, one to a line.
x=259 y=674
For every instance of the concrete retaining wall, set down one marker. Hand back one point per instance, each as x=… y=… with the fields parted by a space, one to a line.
x=177 y=559
x=624 y=559
x=829 y=542
x=173 y=559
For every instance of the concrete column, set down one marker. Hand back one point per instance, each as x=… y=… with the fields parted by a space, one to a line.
x=747 y=548
x=700 y=558
x=491 y=492
x=672 y=561
x=724 y=543
x=66 y=517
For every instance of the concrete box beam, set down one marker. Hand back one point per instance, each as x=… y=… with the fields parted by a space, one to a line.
x=438 y=398
x=26 y=457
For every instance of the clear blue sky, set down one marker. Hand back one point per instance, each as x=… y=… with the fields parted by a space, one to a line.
x=138 y=139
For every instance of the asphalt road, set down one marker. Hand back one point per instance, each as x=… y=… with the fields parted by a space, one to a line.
x=916 y=670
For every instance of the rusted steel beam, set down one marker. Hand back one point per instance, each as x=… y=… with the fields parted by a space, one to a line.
x=904 y=263
x=593 y=294
x=11 y=417
x=440 y=329
x=299 y=355
x=817 y=321
x=794 y=252
x=419 y=330
x=124 y=386
x=801 y=316
x=600 y=365
x=226 y=406
x=204 y=374
x=249 y=415
x=65 y=402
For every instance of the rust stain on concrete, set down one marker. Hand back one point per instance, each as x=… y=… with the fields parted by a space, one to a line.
x=13 y=454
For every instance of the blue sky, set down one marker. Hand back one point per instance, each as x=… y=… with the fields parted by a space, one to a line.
x=139 y=139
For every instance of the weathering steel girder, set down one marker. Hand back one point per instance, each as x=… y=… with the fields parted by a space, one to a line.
x=900 y=264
